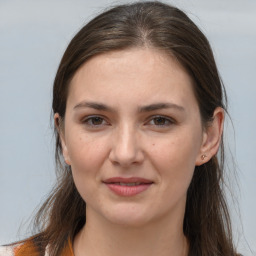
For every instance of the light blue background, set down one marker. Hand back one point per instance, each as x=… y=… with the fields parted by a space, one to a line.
x=33 y=36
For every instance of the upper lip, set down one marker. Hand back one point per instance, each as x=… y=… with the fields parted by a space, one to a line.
x=127 y=180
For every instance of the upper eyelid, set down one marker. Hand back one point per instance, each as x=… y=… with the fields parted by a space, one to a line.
x=162 y=116
x=93 y=116
x=83 y=120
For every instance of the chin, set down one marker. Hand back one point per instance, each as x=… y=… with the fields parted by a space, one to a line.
x=128 y=216
x=128 y=221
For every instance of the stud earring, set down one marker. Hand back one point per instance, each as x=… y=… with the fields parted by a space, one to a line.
x=203 y=157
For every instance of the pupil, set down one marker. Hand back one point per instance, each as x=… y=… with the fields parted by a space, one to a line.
x=160 y=121
x=97 y=120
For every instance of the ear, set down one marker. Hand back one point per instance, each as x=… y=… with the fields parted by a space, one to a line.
x=58 y=122
x=211 y=137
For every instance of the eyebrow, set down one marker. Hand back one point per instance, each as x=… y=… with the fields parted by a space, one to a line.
x=158 y=106
x=147 y=108
x=94 y=105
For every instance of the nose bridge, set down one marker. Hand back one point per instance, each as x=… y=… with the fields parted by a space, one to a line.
x=126 y=138
x=126 y=147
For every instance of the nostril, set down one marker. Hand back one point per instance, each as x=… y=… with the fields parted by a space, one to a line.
x=125 y=160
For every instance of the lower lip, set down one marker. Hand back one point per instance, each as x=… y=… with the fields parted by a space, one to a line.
x=123 y=190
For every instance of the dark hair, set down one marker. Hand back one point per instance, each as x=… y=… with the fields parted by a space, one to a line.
x=164 y=27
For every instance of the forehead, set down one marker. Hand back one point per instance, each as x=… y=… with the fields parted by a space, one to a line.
x=132 y=75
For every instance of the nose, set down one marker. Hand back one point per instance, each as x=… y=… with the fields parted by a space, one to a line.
x=126 y=149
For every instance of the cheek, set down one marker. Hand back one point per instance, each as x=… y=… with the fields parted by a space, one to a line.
x=86 y=152
x=174 y=158
x=86 y=157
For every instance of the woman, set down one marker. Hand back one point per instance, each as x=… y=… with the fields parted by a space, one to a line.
x=138 y=108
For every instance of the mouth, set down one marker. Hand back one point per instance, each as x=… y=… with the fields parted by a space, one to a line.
x=128 y=186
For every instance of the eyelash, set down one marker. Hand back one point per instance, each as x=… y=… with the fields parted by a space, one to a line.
x=89 y=121
x=167 y=121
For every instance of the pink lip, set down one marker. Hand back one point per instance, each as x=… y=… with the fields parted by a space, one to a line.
x=126 y=190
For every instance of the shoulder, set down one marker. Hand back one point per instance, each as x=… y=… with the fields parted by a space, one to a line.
x=6 y=251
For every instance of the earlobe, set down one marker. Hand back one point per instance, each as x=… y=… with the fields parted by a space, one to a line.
x=211 y=138
x=59 y=126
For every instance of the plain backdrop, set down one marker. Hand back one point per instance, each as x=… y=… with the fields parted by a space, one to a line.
x=33 y=37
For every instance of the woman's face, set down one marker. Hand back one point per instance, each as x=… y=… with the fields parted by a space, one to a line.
x=132 y=135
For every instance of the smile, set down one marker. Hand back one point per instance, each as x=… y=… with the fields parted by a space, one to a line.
x=127 y=186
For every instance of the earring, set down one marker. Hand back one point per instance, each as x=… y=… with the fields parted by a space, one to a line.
x=203 y=157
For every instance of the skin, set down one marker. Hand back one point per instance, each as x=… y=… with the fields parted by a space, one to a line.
x=127 y=138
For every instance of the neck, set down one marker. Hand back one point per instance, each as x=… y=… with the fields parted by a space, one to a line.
x=100 y=237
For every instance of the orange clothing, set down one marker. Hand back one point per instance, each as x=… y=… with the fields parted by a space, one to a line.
x=29 y=248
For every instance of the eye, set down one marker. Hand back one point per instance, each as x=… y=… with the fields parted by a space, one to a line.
x=161 y=121
x=95 y=121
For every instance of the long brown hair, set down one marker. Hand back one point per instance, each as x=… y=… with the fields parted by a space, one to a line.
x=153 y=24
